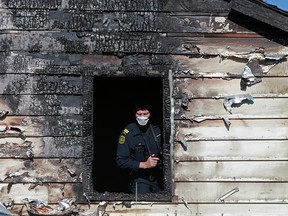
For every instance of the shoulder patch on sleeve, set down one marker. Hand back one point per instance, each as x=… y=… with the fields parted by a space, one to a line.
x=121 y=139
x=125 y=131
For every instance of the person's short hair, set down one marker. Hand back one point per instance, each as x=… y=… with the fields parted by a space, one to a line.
x=142 y=104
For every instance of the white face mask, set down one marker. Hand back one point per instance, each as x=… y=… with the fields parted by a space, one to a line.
x=142 y=120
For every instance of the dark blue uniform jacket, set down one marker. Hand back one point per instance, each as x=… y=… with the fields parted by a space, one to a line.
x=135 y=146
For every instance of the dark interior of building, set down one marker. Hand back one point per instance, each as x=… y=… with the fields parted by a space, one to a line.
x=113 y=102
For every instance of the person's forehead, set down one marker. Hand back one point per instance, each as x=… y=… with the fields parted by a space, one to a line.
x=144 y=110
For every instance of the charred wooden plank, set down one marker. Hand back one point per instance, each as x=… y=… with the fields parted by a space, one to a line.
x=189 y=23
x=197 y=5
x=87 y=42
x=261 y=12
x=60 y=63
x=41 y=147
x=41 y=104
x=8 y=148
x=89 y=20
x=40 y=84
x=40 y=170
x=106 y=5
x=53 y=4
x=21 y=126
x=125 y=5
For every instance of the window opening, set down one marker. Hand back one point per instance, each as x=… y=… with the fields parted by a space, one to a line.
x=113 y=105
x=108 y=103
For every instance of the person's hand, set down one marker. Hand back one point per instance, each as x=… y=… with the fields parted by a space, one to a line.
x=151 y=162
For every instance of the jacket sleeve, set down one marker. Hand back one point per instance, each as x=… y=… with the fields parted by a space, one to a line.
x=124 y=158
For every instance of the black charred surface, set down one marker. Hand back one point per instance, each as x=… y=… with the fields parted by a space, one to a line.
x=262 y=12
x=15 y=149
x=62 y=147
x=31 y=84
x=51 y=51
x=269 y=31
x=30 y=18
x=116 y=5
x=33 y=4
x=199 y=6
x=48 y=69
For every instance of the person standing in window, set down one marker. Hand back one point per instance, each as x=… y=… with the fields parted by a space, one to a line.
x=139 y=150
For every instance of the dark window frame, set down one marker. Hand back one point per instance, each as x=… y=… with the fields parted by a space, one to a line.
x=89 y=194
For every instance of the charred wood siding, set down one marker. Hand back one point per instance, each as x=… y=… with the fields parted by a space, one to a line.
x=46 y=48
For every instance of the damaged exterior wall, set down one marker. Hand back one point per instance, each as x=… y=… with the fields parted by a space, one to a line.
x=225 y=162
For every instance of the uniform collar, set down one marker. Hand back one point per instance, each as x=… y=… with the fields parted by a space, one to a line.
x=138 y=131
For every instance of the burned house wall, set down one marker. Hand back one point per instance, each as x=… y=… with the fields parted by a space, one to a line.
x=48 y=46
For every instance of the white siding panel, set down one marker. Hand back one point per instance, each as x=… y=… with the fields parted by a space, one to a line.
x=196 y=88
x=260 y=108
x=232 y=150
x=249 y=192
x=231 y=171
x=239 y=129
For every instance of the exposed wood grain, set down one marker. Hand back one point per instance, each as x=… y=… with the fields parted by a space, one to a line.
x=249 y=192
x=239 y=130
x=232 y=150
x=231 y=171
x=40 y=170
